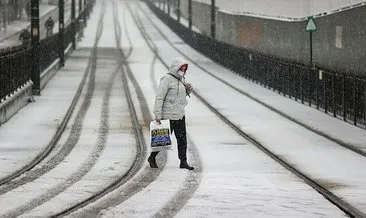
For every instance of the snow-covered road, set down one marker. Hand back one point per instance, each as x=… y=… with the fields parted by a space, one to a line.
x=232 y=177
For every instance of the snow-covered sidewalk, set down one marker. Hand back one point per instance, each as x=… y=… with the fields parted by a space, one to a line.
x=10 y=37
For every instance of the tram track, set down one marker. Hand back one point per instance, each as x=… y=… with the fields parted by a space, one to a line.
x=193 y=180
x=71 y=141
x=148 y=175
x=339 y=202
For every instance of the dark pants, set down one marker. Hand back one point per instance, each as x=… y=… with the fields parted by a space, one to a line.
x=178 y=127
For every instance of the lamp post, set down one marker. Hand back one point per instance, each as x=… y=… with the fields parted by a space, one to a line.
x=190 y=13
x=73 y=24
x=61 y=34
x=169 y=7
x=178 y=11
x=213 y=19
x=36 y=73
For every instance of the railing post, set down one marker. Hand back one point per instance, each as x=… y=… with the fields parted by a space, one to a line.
x=36 y=74
x=364 y=105
x=316 y=89
x=294 y=84
x=344 y=97
x=2 y=91
x=354 y=101
x=309 y=87
x=61 y=34
x=333 y=94
x=301 y=87
x=325 y=99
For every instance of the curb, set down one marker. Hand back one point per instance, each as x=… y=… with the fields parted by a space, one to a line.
x=24 y=95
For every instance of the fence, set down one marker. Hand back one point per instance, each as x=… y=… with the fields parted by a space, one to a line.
x=15 y=63
x=14 y=71
x=340 y=94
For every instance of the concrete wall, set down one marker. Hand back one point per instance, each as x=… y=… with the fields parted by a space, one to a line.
x=295 y=9
x=283 y=39
x=340 y=42
x=17 y=101
x=337 y=45
x=201 y=15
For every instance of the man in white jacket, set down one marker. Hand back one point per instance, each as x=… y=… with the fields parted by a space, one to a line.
x=170 y=102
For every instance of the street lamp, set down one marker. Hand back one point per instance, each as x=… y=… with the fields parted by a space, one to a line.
x=73 y=24
x=61 y=33
x=36 y=72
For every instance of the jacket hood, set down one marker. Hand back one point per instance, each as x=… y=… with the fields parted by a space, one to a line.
x=176 y=64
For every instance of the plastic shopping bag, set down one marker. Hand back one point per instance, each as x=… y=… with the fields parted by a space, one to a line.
x=160 y=135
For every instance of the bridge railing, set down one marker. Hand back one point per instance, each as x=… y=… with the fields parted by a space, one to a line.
x=16 y=62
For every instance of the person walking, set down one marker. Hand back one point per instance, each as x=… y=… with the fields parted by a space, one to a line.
x=169 y=104
x=25 y=37
x=49 y=26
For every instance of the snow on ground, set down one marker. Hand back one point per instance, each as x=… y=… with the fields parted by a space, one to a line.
x=236 y=178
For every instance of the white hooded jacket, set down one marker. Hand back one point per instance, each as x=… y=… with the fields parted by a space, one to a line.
x=171 y=95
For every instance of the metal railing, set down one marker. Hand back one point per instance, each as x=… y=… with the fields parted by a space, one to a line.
x=14 y=71
x=339 y=94
x=16 y=62
x=49 y=48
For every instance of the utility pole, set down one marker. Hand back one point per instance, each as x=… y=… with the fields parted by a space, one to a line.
x=61 y=34
x=73 y=24
x=213 y=19
x=36 y=72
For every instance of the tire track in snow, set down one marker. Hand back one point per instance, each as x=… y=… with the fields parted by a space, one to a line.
x=194 y=177
x=102 y=135
x=148 y=175
x=74 y=132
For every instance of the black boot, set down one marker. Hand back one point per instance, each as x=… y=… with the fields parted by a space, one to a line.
x=184 y=165
x=152 y=161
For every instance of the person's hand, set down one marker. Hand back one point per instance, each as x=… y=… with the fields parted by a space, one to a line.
x=157 y=120
x=188 y=86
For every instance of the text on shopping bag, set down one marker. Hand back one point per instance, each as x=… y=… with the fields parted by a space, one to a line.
x=160 y=137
